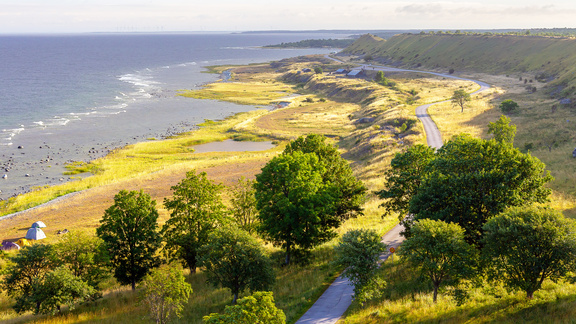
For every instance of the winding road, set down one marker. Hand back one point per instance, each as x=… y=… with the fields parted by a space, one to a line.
x=330 y=307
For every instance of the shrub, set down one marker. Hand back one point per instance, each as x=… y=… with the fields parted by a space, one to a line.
x=508 y=106
x=359 y=251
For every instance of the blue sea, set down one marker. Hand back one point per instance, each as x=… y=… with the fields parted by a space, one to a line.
x=76 y=97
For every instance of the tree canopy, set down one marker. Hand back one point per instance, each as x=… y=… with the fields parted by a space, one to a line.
x=439 y=250
x=85 y=255
x=359 y=252
x=460 y=98
x=508 y=106
x=235 y=260
x=129 y=231
x=404 y=177
x=304 y=193
x=527 y=245
x=243 y=202
x=196 y=208
x=165 y=292
x=504 y=133
x=25 y=270
x=256 y=309
x=471 y=180
x=59 y=287
x=350 y=192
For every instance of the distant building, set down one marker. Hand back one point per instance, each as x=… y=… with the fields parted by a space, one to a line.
x=355 y=73
x=341 y=71
x=306 y=70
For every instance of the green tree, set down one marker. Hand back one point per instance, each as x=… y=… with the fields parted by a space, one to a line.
x=59 y=287
x=380 y=77
x=306 y=192
x=195 y=210
x=471 y=180
x=85 y=255
x=165 y=291
x=404 y=177
x=129 y=231
x=460 y=98
x=244 y=204
x=529 y=245
x=350 y=192
x=256 y=309
x=318 y=70
x=504 y=133
x=295 y=205
x=359 y=252
x=439 y=250
x=24 y=270
x=235 y=260
x=508 y=106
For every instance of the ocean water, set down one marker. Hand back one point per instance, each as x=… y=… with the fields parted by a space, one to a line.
x=76 y=97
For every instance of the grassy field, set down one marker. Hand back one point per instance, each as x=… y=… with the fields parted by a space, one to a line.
x=368 y=121
x=540 y=120
x=407 y=300
x=155 y=166
x=541 y=62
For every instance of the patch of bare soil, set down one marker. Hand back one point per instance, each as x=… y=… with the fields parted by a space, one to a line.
x=85 y=209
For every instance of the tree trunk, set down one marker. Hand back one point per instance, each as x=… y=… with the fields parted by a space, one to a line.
x=192 y=269
x=287 y=261
x=234 y=299
x=529 y=294
x=133 y=285
x=435 y=293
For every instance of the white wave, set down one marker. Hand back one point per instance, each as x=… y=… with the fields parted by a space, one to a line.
x=39 y=123
x=187 y=64
x=58 y=121
x=7 y=135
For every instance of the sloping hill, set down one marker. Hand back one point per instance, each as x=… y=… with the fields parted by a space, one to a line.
x=546 y=59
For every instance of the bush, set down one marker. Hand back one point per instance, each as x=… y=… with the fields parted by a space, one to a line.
x=256 y=309
x=165 y=292
x=508 y=106
x=359 y=251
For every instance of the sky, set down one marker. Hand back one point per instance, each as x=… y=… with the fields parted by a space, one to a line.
x=79 y=16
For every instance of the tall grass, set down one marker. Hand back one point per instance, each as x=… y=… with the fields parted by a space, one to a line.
x=369 y=148
x=406 y=299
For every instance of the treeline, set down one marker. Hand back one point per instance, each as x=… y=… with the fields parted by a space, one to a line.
x=546 y=32
x=477 y=214
x=315 y=43
x=296 y=203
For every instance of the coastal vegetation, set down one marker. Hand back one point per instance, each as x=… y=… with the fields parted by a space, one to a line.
x=370 y=122
x=315 y=43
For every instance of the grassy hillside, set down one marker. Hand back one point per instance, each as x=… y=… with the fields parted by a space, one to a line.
x=324 y=104
x=544 y=61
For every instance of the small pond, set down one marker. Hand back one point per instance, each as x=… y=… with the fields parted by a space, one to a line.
x=232 y=146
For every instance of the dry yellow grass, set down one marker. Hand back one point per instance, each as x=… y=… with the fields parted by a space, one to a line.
x=538 y=124
x=155 y=166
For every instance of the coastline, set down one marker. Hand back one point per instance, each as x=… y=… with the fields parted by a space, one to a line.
x=81 y=107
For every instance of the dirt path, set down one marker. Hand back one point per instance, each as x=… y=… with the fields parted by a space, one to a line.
x=330 y=307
